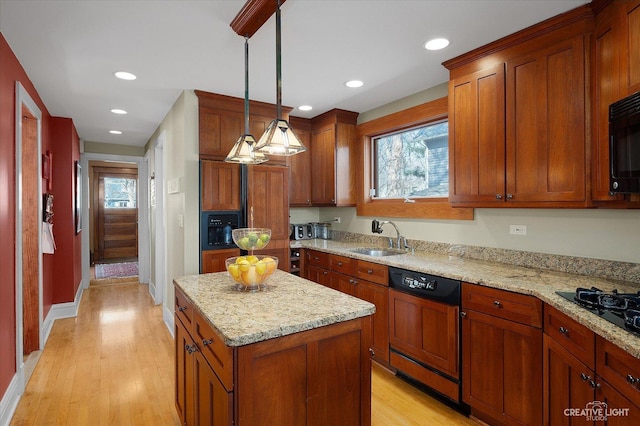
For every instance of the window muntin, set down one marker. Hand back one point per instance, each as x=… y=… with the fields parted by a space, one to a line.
x=120 y=193
x=412 y=163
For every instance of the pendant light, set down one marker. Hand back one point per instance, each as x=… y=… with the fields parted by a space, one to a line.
x=243 y=150
x=279 y=138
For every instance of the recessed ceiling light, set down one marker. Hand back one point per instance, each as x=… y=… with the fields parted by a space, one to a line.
x=305 y=107
x=123 y=75
x=436 y=44
x=354 y=83
x=118 y=111
x=115 y=132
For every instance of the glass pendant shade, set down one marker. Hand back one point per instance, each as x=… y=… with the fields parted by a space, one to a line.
x=243 y=152
x=279 y=139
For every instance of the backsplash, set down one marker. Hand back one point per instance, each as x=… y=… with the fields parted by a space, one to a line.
x=625 y=271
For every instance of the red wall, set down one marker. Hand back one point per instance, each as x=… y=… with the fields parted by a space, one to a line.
x=62 y=289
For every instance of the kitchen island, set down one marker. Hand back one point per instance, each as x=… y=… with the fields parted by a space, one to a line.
x=295 y=354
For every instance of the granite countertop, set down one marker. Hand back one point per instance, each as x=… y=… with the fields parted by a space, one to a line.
x=541 y=283
x=289 y=305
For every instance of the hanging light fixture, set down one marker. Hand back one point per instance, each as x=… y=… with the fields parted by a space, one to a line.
x=279 y=138
x=243 y=150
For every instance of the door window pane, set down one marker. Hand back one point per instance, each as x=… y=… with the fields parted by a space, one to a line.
x=120 y=193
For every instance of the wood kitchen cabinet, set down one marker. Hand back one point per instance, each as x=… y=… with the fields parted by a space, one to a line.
x=219 y=186
x=333 y=161
x=581 y=369
x=268 y=202
x=300 y=165
x=221 y=123
x=501 y=355
x=616 y=74
x=214 y=260
x=289 y=380
x=517 y=118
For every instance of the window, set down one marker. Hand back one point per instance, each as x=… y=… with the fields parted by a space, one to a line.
x=119 y=192
x=412 y=163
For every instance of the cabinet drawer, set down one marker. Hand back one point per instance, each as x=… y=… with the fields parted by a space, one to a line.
x=218 y=355
x=183 y=308
x=318 y=258
x=373 y=272
x=619 y=368
x=344 y=265
x=573 y=336
x=503 y=304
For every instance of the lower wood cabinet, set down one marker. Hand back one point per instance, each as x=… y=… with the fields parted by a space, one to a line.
x=214 y=260
x=501 y=357
x=316 y=377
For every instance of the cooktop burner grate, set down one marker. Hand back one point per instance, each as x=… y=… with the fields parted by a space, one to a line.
x=621 y=309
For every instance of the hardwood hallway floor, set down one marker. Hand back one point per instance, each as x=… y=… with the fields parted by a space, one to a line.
x=114 y=365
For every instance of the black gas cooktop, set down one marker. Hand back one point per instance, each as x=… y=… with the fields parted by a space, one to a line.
x=621 y=309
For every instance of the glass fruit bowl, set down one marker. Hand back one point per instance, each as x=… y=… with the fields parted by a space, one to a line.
x=251 y=238
x=251 y=272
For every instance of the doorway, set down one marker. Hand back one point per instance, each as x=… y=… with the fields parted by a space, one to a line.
x=28 y=251
x=114 y=219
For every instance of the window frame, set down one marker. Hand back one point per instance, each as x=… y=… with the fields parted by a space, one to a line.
x=421 y=208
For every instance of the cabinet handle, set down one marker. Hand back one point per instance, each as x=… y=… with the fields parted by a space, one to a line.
x=509 y=196
x=369 y=271
x=498 y=196
x=350 y=281
x=564 y=331
x=355 y=282
x=497 y=303
x=324 y=272
x=371 y=352
x=463 y=314
x=191 y=348
x=585 y=377
x=182 y=308
x=594 y=384
x=339 y=263
x=632 y=380
x=207 y=342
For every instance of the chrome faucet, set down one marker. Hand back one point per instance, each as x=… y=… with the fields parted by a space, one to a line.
x=376 y=228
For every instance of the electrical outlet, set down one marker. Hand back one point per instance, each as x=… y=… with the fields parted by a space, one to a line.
x=337 y=219
x=518 y=229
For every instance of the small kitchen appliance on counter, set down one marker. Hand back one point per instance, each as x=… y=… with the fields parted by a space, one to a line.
x=621 y=309
x=302 y=232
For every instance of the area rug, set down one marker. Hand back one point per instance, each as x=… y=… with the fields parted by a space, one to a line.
x=116 y=270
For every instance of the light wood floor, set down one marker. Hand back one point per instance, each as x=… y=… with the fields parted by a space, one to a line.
x=113 y=365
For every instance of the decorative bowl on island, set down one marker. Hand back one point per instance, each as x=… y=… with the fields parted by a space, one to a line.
x=250 y=272
x=251 y=238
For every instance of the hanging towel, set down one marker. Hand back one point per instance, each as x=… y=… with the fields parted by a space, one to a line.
x=48 y=243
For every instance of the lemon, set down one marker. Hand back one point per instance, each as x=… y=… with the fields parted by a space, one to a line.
x=239 y=259
x=252 y=259
x=271 y=264
x=261 y=267
x=234 y=270
x=243 y=265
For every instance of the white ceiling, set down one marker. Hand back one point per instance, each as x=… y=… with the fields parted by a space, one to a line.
x=71 y=48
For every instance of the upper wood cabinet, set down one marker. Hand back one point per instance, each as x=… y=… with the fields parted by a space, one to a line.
x=300 y=165
x=517 y=114
x=616 y=74
x=332 y=158
x=219 y=186
x=221 y=123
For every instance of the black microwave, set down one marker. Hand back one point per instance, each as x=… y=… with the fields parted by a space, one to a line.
x=624 y=145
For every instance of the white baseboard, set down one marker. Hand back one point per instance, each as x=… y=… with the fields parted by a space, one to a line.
x=152 y=291
x=9 y=401
x=58 y=311
x=167 y=317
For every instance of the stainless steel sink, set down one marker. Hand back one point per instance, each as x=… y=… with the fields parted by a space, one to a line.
x=375 y=252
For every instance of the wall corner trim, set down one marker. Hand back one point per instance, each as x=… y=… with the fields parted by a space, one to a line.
x=59 y=311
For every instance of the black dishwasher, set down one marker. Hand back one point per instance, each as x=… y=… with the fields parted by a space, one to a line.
x=424 y=330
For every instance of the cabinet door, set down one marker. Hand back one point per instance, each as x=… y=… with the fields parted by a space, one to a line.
x=501 y=368
x=300 y=170
x=184 y=374
x=631 y=25
x=622 y=411
x=323 y=183
x=257 y=125
x=379 y=296
x=219 y=130
x=566 y=384
x=477 y=137
x=213 y=404
x=213 y=260
x=343 y=283
x=220 y=185
x=607 y=89
x=425 y=330
x=268 y=198
x=318 y=275
x=545 y=123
